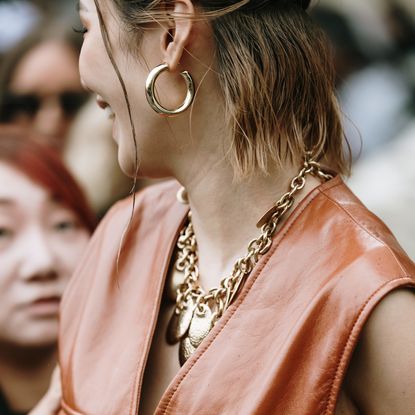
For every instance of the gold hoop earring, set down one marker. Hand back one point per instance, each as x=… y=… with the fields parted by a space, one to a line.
x=151 y=96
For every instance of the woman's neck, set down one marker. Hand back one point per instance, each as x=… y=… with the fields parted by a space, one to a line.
x=225 y=213
x=25 y=374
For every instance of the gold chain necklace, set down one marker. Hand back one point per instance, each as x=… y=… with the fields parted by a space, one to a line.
x=196 y=311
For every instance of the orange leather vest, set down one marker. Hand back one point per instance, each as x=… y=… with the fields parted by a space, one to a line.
x=281 y=348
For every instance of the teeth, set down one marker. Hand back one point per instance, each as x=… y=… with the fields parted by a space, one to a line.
x=109 y=112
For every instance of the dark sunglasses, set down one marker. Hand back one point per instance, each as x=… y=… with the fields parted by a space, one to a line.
x=29 y=104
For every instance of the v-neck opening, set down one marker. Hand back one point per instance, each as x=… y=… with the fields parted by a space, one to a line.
x=168 y=395
x=181 y=219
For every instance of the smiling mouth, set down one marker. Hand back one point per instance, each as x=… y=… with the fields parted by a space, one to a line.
x=106 y=107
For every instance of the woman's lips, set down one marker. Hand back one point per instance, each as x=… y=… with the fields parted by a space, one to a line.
x=110 y=114
x=106 y=107
x=45 y=307
x=101 y=103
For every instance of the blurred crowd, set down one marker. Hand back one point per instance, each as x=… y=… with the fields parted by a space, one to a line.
x=374 y=44
x=41 y=96
x=40 y=90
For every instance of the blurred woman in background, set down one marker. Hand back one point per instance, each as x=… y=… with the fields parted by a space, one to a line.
x=40 y=89
x=39 y=83
x=45 y=224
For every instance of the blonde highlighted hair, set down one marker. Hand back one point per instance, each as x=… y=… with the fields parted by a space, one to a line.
x=276 y=73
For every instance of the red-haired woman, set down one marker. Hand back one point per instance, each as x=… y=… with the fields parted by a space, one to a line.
x=251 y=297
x=45 y=224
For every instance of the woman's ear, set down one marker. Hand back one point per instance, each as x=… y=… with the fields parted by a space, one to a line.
x=177 y=37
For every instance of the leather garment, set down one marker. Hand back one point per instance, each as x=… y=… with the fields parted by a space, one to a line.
x=283 y=346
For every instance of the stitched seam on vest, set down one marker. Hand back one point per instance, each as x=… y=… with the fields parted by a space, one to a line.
x=353 y=338
x=342 y=208
x=133 y=396
x=68 y=410
x=157 y=194
x=331 y=184
x=239 y=300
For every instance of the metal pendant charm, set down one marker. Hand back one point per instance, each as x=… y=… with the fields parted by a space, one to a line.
x=201 y=324
x=186 y=349
x=191 y=323
x=179 y=323
x=185 y=319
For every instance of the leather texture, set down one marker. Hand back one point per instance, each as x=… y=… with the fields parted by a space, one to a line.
x=284 y=345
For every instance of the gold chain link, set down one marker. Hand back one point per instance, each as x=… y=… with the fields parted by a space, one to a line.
x=218 y=299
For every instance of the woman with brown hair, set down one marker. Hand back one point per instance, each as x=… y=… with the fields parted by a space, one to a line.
x=265 y=287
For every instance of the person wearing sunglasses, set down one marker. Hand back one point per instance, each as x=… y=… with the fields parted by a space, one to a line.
x=40 y=86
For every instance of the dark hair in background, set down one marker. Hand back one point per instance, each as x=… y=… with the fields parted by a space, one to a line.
x=402 y=28
x=276 y=73
x=348 y=53
x=57 y=32
x=21 y=149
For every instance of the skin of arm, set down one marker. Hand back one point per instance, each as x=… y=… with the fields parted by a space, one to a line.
x=381 y=377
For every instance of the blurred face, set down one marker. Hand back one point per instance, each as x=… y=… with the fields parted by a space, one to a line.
x=41 y=242
x=45 y=91
x=154 y=134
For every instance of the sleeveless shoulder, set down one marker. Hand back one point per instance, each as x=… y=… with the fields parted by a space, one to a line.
x=362 y=230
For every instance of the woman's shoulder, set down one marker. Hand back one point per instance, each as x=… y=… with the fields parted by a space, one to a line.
x=382 y=370
x=358 y=232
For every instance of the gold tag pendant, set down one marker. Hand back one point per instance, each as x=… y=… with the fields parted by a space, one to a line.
x=180 y=322
x=201 y=324
x=186 y=349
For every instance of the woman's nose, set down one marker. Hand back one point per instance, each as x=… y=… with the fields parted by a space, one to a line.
x=38 y=259
x=50 y=120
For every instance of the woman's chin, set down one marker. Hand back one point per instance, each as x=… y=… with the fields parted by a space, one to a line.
x=126 y=164
x=43 y=338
